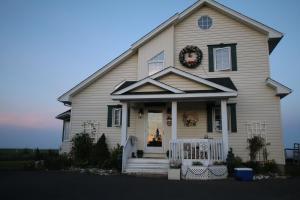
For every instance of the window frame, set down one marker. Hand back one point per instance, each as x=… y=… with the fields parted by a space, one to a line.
x=229 y=58
x=66 y=133
x=201 y=23
x=214 y=118
x=152 y=61
x=114 y=110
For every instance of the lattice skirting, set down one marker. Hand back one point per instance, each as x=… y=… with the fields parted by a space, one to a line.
x=205 y=173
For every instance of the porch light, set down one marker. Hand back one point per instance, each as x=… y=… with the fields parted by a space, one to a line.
x=141 y=112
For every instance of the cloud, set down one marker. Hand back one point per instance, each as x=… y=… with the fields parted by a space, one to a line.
x=29 y=120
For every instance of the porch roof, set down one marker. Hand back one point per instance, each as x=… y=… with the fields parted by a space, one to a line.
x=213 y=87
x=64 y=116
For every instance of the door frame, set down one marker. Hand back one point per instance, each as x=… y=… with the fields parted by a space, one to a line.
x=154 y=149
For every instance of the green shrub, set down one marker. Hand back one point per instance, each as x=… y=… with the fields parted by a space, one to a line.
x=292 y=170
x=82 y=145
x=255 y=165
x=57 y=162
x=256 y=144
x=100 y=153
x=232 y=162
x=270 y=167
x=197 y=163
x=116 y=158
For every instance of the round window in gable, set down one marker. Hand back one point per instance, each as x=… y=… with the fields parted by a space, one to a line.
x=205 y=22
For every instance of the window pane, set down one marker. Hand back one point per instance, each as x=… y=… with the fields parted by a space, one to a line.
x=117 y=117
x=222 y=58
x=156 y=63
x=155 y=67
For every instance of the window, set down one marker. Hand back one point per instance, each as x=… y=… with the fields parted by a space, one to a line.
x=222 y=58
x=66 y=130
x=156 y=63
x=205 y=22
x=91 y=127
x=116 y=116
x=217 y=118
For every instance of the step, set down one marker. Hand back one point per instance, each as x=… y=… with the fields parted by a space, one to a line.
x=147 y=166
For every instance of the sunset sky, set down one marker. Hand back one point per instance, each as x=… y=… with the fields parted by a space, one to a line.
x=46 y=47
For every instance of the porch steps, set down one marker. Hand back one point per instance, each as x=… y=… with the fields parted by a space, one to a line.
x=155 y=155
x=147 y=166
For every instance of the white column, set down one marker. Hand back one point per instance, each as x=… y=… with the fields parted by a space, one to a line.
x=224 y=126
x=124 y=123
x=174 y=120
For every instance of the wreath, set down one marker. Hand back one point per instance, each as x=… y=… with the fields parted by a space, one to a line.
x=190 y=56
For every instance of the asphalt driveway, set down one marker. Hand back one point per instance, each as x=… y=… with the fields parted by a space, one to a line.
x=68 y=185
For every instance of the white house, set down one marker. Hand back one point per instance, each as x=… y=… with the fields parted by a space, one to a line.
x=195 y=86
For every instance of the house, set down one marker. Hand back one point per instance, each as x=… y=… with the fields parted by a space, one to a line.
x=195 y=86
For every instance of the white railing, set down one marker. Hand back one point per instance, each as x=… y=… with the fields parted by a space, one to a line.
x=206 y=151
x=128 y=149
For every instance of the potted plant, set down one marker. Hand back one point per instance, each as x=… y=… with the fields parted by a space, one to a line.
x=174 y=170
x=139 y=153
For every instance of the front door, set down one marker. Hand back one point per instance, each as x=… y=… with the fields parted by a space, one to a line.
x=154 y=131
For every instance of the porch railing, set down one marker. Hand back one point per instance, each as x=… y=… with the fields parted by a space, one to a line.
x=206 y=151
x=129 y=147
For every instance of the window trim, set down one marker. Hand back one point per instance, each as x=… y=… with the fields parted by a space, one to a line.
x=114 y=110
x=151 y=61
x=229 y=58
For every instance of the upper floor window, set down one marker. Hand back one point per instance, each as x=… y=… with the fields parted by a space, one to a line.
x=156 y=63
x=205 y=22
x=222 y=58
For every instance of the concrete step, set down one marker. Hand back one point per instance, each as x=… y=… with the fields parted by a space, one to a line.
x=147 y=166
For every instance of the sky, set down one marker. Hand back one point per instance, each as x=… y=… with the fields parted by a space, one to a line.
x=48 y=46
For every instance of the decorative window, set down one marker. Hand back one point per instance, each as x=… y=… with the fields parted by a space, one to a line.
x=222 y=58
x=116 y=116
x=205 y=22
x=156 y=63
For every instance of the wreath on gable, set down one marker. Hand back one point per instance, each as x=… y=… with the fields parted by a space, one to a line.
x=190 y=56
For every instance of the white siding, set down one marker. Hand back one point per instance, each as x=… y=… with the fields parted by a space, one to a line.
x=163 y=42
x=255 y=100
x=91 y=103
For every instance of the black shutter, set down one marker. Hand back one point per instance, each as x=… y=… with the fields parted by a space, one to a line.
x=209 y=118
x=128 y=117
x=210 y=59
x=109 y=116
x=233 y=57
x=233 y=117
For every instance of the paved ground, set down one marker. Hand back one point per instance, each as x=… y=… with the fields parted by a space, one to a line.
x=67 y=185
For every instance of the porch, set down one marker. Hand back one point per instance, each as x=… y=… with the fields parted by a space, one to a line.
x=174 y=110
x=175 y=141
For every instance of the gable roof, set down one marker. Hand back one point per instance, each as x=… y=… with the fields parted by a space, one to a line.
x=151 y=81
x=218 y=84
x=273 y=35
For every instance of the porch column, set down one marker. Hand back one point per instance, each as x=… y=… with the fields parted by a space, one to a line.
x=124 y=123
x=224 y=126
x=174 y=120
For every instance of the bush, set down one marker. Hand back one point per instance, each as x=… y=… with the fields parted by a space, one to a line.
x=255 y=165
x=100 y=154
x=292 y=170
x=197 y=163
x=270 y=167
x=82 y=145
x=256 y=144
x=116 y=158
x=232 y=162
x=57 y=162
